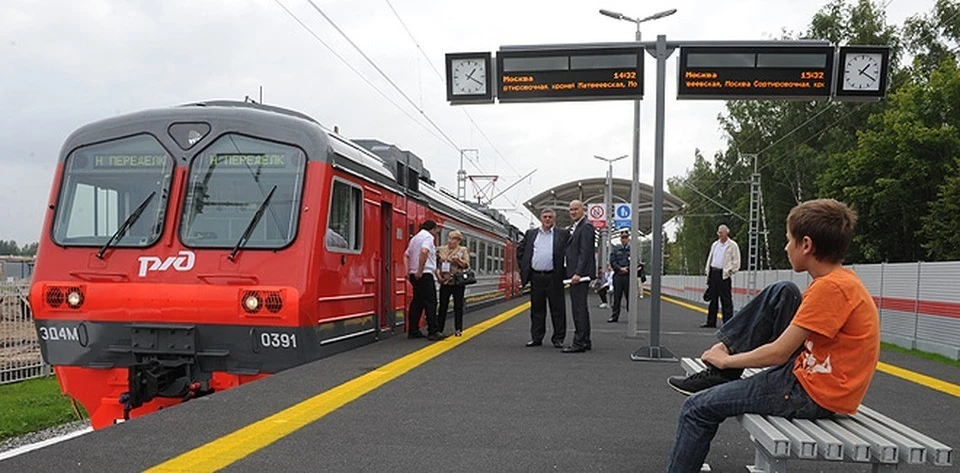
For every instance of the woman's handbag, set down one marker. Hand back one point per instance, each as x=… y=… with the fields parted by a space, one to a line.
x=465 y=278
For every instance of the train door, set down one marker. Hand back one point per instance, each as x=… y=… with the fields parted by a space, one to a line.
x=385 y=280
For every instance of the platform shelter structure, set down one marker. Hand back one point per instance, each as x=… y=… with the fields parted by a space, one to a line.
x=591 y=191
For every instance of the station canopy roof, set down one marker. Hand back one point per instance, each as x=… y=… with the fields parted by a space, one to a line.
x=590 y=191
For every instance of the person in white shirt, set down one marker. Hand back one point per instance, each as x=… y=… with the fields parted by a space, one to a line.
x=420 y=259
x=602 y=285
x=722 y=262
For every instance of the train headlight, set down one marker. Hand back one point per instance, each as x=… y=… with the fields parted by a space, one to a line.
x=251 y=302
x=74 y=299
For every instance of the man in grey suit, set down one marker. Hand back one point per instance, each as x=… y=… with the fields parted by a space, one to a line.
x=581 y=263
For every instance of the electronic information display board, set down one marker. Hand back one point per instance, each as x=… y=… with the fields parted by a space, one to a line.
x=593 y=73
x=755 y=72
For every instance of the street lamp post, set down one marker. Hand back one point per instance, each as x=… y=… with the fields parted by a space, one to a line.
x=607 y=203
x=635 y=184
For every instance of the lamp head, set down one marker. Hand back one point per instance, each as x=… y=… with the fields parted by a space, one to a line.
x=611 y=14
x=657 y=16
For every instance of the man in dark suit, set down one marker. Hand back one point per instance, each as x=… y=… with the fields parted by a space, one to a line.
x=581 y=263
x=541 y=264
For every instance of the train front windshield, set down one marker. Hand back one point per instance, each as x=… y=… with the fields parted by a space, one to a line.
x=108 y=185
x=231 y=182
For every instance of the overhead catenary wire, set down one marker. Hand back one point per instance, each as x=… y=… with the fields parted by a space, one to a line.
x=445 y=138
x=387 y=78
x=355 y=71
x=440 y=76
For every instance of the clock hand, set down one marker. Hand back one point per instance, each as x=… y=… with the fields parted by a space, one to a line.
x=475 y=80
x=864 y=68
x=868 y=75
x=470 y=75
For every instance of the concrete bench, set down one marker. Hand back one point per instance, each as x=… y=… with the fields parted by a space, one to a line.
x=867 y=437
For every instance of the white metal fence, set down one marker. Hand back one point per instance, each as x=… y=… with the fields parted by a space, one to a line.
x=919 y=303
x=19 y=351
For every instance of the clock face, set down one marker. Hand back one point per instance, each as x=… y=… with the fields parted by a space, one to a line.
x=861 y=71
x=469 y=76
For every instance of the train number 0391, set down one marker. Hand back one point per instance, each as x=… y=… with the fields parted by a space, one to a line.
x=278 y=340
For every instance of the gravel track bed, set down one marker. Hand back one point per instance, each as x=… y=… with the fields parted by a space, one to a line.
x=34 y=437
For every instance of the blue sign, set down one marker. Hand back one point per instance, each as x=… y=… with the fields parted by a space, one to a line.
x=621 y=216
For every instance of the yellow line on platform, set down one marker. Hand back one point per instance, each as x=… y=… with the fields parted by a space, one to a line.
x=228 y=449
x=921 y=379
x=928 y=381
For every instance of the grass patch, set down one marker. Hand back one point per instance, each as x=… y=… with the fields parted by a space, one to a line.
x=920 y=354
x=33 y=405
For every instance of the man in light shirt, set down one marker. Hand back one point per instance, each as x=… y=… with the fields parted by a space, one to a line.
x=420 y=259
x=722 y=262
x=540 y=255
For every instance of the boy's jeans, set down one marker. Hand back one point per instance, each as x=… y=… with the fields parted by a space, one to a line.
x=775 y=391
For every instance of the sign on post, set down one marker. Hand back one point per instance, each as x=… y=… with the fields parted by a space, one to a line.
x=597 y=215
x=621 y=216
x=570 y=72
x=755 y=72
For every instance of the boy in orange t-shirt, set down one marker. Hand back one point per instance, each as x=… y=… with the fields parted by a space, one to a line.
x=823 y=348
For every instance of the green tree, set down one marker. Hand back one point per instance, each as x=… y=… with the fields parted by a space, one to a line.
x=942 y=240
x=933 y=37
x=9 y=248
x=30 y=249
x=795 y=143
x=899 y=166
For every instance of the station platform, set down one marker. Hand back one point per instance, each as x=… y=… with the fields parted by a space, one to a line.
x=481 y=402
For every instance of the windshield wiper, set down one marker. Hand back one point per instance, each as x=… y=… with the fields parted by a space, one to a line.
x=250 y=226
x=126 y=224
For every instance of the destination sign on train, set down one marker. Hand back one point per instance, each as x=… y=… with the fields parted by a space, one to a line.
x=130 y=160
x=755 y=72
x=252 y=160
x=589 y=73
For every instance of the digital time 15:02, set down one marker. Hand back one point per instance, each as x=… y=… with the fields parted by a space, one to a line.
x=811 y=75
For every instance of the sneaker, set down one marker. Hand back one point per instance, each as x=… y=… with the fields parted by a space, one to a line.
x=705 y=379
x=603 y=305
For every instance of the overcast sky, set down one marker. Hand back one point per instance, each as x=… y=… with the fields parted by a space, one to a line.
x=66 y=63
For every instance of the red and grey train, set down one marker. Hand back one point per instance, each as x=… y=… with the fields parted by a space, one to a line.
x=192 y=249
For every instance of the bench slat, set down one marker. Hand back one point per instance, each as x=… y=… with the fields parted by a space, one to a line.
x=883 y=450
x=803 y=445
x=691 y=365
x=911 y=451
x=854 y=447
x=830 y=448
x=766 y=434
x=938 y=453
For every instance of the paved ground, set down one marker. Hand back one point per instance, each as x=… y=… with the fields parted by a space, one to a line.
x=489 y=404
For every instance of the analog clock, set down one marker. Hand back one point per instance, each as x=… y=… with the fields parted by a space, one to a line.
x=862 y=71
x=468 y=76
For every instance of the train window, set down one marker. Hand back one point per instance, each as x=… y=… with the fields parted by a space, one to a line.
x=243 y=187
x=120 y=183
x=490 y=260
x=483 y=259
x=473 y=254
x=345 y=223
